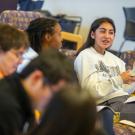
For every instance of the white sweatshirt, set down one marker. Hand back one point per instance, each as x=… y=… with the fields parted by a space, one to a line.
x=27 y=57
x=100 y=74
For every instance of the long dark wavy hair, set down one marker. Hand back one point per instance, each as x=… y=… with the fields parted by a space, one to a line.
x=96 y=24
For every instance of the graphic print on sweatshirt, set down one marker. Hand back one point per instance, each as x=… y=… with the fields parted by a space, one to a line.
x=108 y=73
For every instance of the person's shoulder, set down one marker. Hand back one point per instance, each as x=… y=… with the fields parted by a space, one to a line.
x=87 y=50
x=30 y=54
x=109 y=54
x=8 y=102
x=86 y=53
x=3 y=83
x=114 y=57
x=7 y=82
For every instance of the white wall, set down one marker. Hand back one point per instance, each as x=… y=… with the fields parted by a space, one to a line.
x=92 y=9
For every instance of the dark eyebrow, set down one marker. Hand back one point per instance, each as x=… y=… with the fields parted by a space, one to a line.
x=105 y=29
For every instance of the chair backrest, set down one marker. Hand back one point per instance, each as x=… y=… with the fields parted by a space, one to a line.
x=70 y=24
x=30 y=5
x=129 y=33
x=20 y=19
x=73 y=38
x=8 y=5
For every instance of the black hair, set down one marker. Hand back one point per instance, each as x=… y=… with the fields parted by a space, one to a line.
x=96 y=24
x=37 y=29
x=54 y=65
x=12 y=38
x=72 y=111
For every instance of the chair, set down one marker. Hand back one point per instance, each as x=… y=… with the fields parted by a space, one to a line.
x=75 y=38
x=68 y=23
x=129 y=33
x=8 y=5
x=29 y=5
x=20 y=19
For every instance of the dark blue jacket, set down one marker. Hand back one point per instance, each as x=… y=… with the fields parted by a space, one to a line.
x=29 y=5
x=15 y=107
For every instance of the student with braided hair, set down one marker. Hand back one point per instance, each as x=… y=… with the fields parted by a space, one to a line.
x=43 y=33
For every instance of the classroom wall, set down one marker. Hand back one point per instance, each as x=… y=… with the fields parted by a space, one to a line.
x=92 y=9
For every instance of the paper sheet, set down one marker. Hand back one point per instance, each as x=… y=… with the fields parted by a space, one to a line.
x=130 y=99
x=130 y=123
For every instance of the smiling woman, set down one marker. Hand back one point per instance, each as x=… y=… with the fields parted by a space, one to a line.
x=13 y=44
x=103 y=73
x=99 y=70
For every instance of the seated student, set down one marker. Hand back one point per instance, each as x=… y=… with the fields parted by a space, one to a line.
x=71 y=111
x=43 y=33
x=13 y=43
x=21 y=94
x=104 y=73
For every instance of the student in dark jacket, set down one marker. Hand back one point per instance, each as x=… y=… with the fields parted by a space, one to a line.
x=21 y=94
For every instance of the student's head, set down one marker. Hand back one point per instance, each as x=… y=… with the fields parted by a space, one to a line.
x=72 y=111
x=46 y=74
x=101 y=34
x=44 y=33
x=13 y=43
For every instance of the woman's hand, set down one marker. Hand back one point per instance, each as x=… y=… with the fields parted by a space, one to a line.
x=127 y=78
